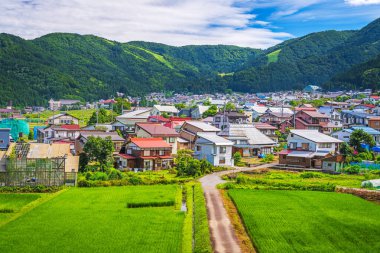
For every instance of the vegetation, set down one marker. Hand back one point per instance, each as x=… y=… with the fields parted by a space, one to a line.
x=102 y=116
x=101 y=215
x=186 y=165
x=99 y=150
x=11 y=203
x=285 y=180
x=212 y=111
x=303 y=221
x=202 y=241
x=359 y=137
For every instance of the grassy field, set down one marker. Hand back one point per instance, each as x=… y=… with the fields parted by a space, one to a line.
x=98 y=220
x=12 y=203
x=304 y=221
x=273 y=57
x=273 y=179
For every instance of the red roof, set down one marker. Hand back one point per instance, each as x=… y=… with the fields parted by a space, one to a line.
x=178 y=119
x=306 y=109
x=127 y=156
x=285 y=152
x=369 y=105
x=375 y=97
x=71 y=127
x=157 y=118
x=108 y=101
x=150 y=142
x=157 y=130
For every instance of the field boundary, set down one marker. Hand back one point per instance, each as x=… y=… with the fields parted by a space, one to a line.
x=30 y=206
x=245 y=241
x=369 y=195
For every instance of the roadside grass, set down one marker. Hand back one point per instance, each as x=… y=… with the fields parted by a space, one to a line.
x=277 y=179
x=256 y=160
x=97 y=220
x=305 y=221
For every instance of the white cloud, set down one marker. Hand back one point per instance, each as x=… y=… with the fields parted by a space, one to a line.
x=362 y=2
x=174 y=22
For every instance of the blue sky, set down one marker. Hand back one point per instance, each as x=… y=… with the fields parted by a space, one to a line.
x=253 y=23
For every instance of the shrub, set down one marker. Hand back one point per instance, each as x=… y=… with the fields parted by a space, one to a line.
x=84 y=183
x=99 y=176
x=355 y=169
x=151 y=204
x=115 y=174
x=237 y=158
x=30 y=189
x=268 y=158
x=310 y=175
x=6 y=210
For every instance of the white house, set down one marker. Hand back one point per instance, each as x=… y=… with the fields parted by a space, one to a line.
x=345 y=134
x=161 y=109
x=215 y=149
x=197 y=112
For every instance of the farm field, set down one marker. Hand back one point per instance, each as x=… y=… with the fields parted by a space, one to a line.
x=98 y=220
x=306 y=221
x=10 y=204
x=278 y=179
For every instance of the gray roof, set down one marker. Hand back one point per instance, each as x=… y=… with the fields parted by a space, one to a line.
x=203 y=126
x=217 y=140
x=315 y=136
x=246 y=131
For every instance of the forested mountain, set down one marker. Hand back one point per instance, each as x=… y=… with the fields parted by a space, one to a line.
x=312 y=59
x=88 y=67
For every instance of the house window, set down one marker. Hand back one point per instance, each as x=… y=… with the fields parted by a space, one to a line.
x=222 y=160
x=146 y=152
x=129 y=151
x=217 y=119
x=293 y=145
x=325 y=145
x=305 y=146
x=147 y=164
x=171 y=139
x=162 y=152
x=1 y=141
x=222 y=150
x=199 y=148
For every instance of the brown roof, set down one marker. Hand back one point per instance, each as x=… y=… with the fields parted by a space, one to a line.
x=260 y=125
x=315 y=114
x=157 y=130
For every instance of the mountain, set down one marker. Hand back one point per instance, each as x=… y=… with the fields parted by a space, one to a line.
x=87 y=67
x=365 y=75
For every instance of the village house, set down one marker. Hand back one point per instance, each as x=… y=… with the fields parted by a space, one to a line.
x=313 y=120
x=63 y=119
x=307 y=148
x=345 y=134
x=154 y=130
x=222 y=119
x=198 y=111
x=169 y=110
x=333 y=113
x=146 y=154
x=126 y=122
x=351 y=118
x=5 y=138
x=374 y=122
x=215 y=149
x=59 y=134
x=84 y=135
x=267 y=129
x=276 y=118
x=248 y=140
x=190 y=129
x=55 y=105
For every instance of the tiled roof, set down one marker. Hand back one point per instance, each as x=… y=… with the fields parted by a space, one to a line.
x=260 y=125
x=315 y=114
x=157 y=129
x=150 y=143
x=314 y=136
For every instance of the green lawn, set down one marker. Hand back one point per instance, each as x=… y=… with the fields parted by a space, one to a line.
x=304 y=221
x=98 y=220
x=12 y=203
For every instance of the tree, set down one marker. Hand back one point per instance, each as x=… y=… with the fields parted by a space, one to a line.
x=189 y=166
x=121 y=104
x=180 y=106
x=359 y=137
x=101 y=116
x=230 y=106
x=212 y=111
x=99 y=150
x=237 y=158
x=345 y=149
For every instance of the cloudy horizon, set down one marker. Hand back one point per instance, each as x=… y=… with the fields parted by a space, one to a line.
x=256 y=24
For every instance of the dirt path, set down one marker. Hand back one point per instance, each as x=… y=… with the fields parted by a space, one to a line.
x=222 y=233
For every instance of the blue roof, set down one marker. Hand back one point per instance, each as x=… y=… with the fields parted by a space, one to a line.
x=368 y=130
x=357 y=114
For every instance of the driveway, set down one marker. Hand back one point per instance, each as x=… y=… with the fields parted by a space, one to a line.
x=223 y=236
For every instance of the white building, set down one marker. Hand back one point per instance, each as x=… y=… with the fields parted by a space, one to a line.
x=161 y=109
x=215 y=149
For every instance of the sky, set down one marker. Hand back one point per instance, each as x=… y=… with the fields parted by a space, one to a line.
x=254 y=23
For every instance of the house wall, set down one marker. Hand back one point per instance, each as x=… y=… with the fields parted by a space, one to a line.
x=374 y=123
x=212 y=154
x=342 y=135
x=64 y=119
x=312 y=145
x=4 y=138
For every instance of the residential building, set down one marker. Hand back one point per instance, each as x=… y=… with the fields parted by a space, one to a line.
x=313 y=120
x=146 y=154
x=267 y=129
x=276 y=118
x=63 y=119
x=68 y=103
x=59 y=134
x=126 y=123
x=84 y=135
x=345 y=134
x=215 y=149
x=5 y=138
x=155 y=130
x=198 y=111
x=307 y=148
x=169 y=110
x=351 y=118
x=248 y=140
x=190 y=129
x=374 y=122
x=222 y=119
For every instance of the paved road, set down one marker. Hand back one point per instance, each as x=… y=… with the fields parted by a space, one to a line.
x=222 y=233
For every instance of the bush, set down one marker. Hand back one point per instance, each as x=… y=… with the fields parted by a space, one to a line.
x=150 y=204
x=84 y=183
x=115 y=174
x=30 y=189
x=237 y=158
x=310 y=175
x=99 y=176
x=6 y=210
x=268 y=158
x=355 y=169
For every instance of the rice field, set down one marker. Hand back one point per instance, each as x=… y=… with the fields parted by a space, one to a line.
x=98 y=220
x=10 y=204
x=306 y=221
